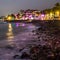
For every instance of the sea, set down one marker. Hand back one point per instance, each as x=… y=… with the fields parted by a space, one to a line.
x=16 y=35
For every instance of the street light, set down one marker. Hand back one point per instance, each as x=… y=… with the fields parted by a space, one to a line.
x=9 y=18
x=57 y=13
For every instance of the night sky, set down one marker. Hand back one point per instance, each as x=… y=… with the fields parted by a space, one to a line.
x=13 y=6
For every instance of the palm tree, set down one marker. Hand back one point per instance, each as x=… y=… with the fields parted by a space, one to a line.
x=57 y=4
x=56 y=8
x=13 y=16
x=48 y=11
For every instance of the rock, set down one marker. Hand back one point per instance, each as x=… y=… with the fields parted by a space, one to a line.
x=16 y=57
x=21 y=49
x=9 y=47
x=25 y=55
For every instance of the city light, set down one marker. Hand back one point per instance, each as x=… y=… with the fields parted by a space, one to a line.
x=9 y=18
x=57 y=13
x=47 y=14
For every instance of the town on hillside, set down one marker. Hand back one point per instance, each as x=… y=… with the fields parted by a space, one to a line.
x=47 y=14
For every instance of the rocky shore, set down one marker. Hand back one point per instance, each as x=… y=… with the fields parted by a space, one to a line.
x=45 y=46
x=40 y=44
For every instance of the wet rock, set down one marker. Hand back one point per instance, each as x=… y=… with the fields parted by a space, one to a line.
x=16 y=57
x=9 y=47
x=33 y=31
x=25 y=55
x=21 y=49
x=34 y=57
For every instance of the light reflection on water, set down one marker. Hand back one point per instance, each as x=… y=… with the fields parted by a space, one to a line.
x=10 y=34
x=16 y=28
x=20 y=24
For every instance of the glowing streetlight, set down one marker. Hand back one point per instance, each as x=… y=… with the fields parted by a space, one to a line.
x=57 y=13
x=9 y=18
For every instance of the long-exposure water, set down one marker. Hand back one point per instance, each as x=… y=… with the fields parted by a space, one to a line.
x=14 y=36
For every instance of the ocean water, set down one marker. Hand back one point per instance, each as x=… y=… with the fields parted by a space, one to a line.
x=14 y=35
